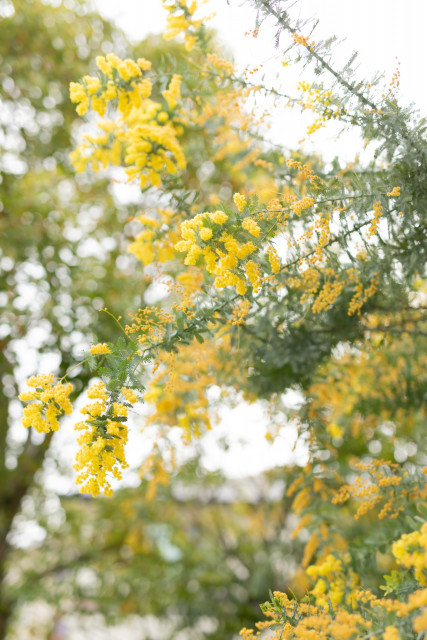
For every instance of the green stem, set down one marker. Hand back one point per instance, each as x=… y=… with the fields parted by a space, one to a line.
x=116 y=320
x=64 y=377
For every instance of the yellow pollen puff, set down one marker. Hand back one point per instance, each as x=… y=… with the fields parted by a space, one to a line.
x=273 y=259
x=119 y=409
x=77 y=92
x=99 y=349
x=129 y=395
x=162 y=116
x=128 y=69
x=205 y=233
x=219 y=217
x=246 y=249
x=252 y=227
x=376 y=219
x=394 y=193
x=334 y=430
x=253 y=272
x=220 y=63
x=144 y=64
x=104 y=66
x=147 y=221
x=173 y=93
x=97 y=391
x=391 y=633
x=240 y=201
x=193 y=254
x=91 y=84
x=411 y=552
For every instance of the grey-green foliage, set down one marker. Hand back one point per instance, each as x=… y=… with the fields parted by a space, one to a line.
x=285 y=341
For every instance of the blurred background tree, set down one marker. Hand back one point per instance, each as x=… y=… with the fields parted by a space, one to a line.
x=199 y=558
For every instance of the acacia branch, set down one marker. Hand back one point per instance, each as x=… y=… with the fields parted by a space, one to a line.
x=403 y=130
x=286 y=25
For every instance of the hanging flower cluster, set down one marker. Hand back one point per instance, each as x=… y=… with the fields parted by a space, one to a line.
x=144 y=132
x=102 y=441
x=47 y=402
x=180 y=20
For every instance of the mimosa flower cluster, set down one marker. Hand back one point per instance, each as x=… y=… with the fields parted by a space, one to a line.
x=102 y=441
x=289 y=620
x=321 y=286
x=223 y=242
x=47 y=402
x=121 y=80
x=149 y=325
x=154 y=244
x=320 y=101
x=411 y=552
x=335 y=580
x=144 y=132
x=344 y=610
x=181 y=20
x=101 y=455
x=99 y=349
x=385 y=485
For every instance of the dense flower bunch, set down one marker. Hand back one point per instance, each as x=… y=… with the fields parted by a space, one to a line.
x=144 y=132
x=411 y=552
x=335 y=581
x=120 y=79
x=399 y=619
x=338 y=597
x=153 y=244
x=224 y=242
x=99 y=349
x=305 y=621
x=289 y=620
x=224 y=264
x=181 y=20
x=103 y=439
x=47 y=402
